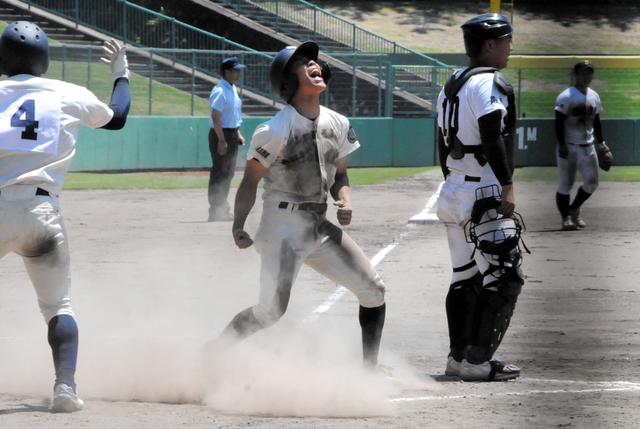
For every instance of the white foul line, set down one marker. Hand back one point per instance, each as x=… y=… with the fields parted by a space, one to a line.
x=342 y=290
x=424 y=216
x=592 y=387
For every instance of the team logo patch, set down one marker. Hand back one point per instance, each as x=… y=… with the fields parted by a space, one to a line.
x=263 y=152
x=351 y=135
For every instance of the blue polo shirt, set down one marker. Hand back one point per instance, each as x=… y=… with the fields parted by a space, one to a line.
x=224 y=98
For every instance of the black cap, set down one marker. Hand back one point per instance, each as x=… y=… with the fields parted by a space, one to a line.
x=583 y=65
x=232 y=63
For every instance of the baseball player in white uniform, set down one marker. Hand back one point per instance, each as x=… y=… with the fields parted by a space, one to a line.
x=302 y=156
x=39 y=121
x=476 y=119
x=577 y=129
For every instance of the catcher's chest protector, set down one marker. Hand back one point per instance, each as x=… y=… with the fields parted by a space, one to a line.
x=451 y=89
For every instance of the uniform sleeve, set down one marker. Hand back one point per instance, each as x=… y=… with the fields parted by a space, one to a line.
x=562 y=103
x=266 y=144
x=348 y=140
x=598 y=105
x=92 y=112
x=217 y=99
x=486 y=98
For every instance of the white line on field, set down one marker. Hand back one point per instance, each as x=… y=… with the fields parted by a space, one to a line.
x=590 y=387
x=422 y=217
x=335 y=297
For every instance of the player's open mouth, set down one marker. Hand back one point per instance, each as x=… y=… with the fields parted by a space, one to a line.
x=315 y=74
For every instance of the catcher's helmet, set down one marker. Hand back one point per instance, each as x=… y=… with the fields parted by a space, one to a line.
x=484 y=27
x=284 y=83
x=24 y=49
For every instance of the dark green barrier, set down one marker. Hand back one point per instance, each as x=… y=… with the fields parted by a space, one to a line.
x=536 y=141
x=149 y=143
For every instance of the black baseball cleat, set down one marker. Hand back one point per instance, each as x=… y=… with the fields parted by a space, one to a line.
x=494 y=370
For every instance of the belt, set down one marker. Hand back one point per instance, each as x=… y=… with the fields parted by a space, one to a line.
x=307 y=207
x=231 y=129
x=580 y=145
x=472 y=179
x=40 y=191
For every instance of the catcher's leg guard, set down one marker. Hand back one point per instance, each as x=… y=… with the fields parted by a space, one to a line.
x=492 y=315
x=459 y=303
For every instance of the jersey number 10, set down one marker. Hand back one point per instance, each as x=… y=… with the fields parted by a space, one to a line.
x=29 y=123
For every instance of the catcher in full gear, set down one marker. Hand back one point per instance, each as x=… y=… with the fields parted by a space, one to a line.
x=476 y=120
x=302 y=156
x=581 y=146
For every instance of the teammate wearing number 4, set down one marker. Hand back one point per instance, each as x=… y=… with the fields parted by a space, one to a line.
x=581 y=146
x=39 y=121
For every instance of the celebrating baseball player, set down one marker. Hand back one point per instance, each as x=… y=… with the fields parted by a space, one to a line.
x=476 y=119
x=577 y=129
x=39 y=123
x=302 y=155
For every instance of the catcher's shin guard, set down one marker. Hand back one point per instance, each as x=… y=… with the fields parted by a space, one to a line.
x=492 y=315
x=459 y=304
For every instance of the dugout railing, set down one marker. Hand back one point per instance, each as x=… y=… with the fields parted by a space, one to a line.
x=372 y=84
x=361 y=84
x=370 y=95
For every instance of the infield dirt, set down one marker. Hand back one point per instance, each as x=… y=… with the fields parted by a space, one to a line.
x=152 y=282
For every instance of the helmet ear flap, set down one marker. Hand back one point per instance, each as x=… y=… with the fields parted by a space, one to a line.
x=326 y=73
x=288 y=87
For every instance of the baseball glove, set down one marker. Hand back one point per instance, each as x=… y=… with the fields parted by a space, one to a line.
x=605 y=157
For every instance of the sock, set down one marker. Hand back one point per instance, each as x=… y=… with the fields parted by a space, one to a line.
x=371 y=322
x=562 y=201
x=63 y=339
x=580 y=198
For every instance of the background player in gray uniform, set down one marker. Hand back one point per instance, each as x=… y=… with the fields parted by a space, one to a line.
x=476 y=119
x=39 y=121
x=577 y=129
x=302 y=155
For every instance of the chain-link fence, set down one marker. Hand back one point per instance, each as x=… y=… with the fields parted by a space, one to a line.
x=178 y=83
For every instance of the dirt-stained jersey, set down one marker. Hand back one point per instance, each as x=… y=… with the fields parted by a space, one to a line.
x=581 y=109
x=301 y=154
x=39 y=121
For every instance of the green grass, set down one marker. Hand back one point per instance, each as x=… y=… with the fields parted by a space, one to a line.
x=371 y=176
x=616 y=174
x=136 y=181
x=167 y=101
x=357 y=176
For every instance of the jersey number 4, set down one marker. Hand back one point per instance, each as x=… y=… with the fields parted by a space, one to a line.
x=29 y=123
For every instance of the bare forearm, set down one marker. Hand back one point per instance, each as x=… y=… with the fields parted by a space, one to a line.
x=245 y=200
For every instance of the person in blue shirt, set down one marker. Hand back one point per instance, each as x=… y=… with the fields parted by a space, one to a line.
x=224 y=138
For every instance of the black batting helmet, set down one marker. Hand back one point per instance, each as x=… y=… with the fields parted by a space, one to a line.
x=24 y=49
x=283 y=83
x=484 y=27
